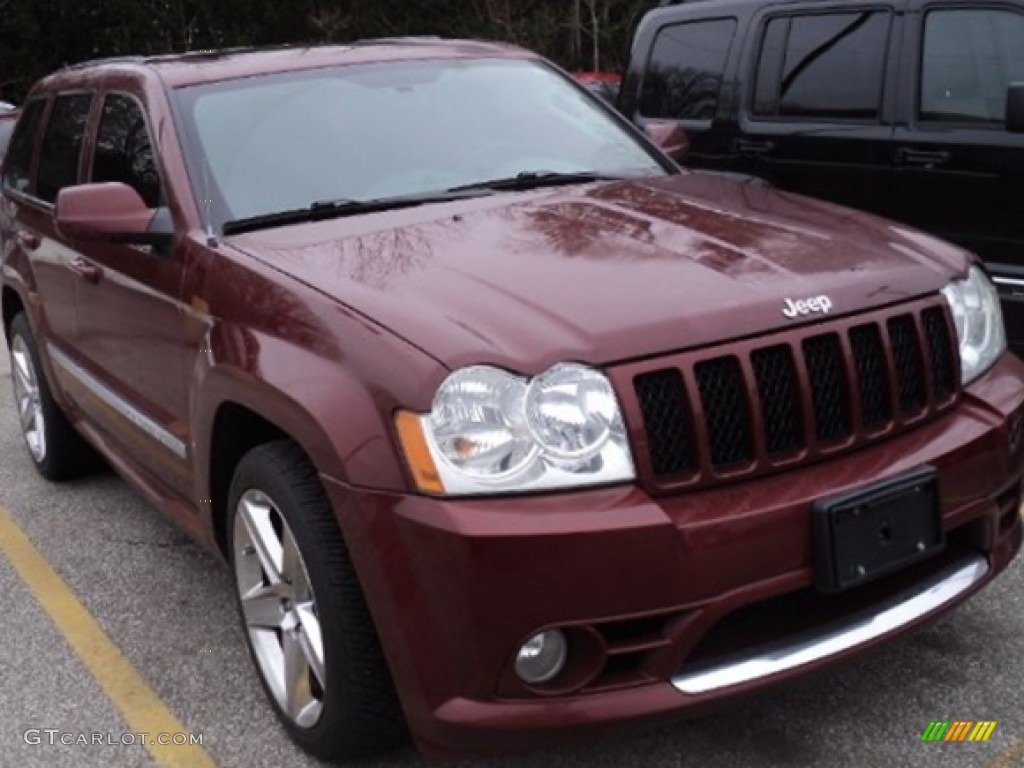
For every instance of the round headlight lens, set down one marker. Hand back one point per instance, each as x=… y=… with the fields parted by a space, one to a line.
x=978 y=318
x=571 y=410
x=477 y=423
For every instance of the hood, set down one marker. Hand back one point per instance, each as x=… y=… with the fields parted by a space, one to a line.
x=608 y=272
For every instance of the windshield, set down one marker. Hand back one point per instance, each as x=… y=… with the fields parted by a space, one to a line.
x=278 y=143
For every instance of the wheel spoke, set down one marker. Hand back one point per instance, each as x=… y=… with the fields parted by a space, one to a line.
x=21 y=385
x=23 y=369
x=296 y=676
x=23 y=388
x=262 y=609
x=264 y=538
x=291 y=565
x=267 y=646
x=27 y=413
x=311 y=640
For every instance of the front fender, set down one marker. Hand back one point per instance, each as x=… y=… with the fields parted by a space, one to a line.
x=340 y=417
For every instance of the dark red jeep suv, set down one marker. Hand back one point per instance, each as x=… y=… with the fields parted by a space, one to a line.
x=507 y=426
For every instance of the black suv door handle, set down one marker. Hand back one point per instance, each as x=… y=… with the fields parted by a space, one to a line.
x=753 y=146
x=922 y=158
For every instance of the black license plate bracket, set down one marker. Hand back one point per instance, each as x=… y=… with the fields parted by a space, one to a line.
x=877 y=529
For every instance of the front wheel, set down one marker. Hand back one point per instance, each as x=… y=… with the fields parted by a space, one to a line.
x=309 y=631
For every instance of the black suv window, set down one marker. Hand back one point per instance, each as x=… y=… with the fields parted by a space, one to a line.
x=684 y=74
x=62 y=145
x=828 y=66
x=19 y=154
x=969 y=59
x=124 y=151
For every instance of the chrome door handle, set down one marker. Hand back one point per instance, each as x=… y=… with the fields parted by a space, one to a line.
x=88 y=272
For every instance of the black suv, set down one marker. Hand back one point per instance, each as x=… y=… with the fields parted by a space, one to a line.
x=912 y=109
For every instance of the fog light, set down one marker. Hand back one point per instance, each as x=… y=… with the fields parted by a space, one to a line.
x=542 y=657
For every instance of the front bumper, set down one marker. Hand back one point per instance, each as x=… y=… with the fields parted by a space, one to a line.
x=669 y=603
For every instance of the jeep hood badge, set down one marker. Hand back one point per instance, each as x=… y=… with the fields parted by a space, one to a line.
x=818 y=305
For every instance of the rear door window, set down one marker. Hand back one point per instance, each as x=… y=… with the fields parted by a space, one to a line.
x=685 y=71
x=62 y=145
x=823 y=66
x=19 y=155
x=124 y=150
x=969 y=58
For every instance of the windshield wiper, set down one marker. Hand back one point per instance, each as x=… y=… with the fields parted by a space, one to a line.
x=536 y=179
x=336 y=209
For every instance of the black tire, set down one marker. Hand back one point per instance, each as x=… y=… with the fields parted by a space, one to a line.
x=361 y=716
x=65 y=455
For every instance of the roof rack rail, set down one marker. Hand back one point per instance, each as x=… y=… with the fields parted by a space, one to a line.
x=400 y=39
x=160 y=58
x=157 y=58
x=106 y=60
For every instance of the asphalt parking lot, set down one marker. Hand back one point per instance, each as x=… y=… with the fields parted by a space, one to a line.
x=167 y=608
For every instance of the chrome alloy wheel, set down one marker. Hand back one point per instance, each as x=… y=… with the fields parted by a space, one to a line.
x=279 y=608
x=27 y=399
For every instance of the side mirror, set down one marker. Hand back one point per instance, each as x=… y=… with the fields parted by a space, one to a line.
x=670 y=137
x=1015 y=108
x=107 y=211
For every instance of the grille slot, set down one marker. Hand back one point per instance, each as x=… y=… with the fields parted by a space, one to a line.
x=906 y=356
x=830 y=394
x=662 y=399
x=779 y=397
x=902 y=365
x=940 y=352
x=872 y=376
x=723 y=398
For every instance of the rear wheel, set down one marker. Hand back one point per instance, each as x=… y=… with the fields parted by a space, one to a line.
x=56 y=449
x=307 y=624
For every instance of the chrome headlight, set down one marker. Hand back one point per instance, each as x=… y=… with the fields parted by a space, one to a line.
x=979 y=323
x=490 y=431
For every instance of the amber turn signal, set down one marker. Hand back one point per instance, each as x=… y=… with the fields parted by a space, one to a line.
x=417 y=453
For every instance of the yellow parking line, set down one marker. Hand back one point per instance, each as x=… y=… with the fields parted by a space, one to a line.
x=139 y=704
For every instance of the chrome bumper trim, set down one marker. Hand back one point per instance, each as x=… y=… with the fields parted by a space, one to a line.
x=898 y=611
x=1008 y=281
